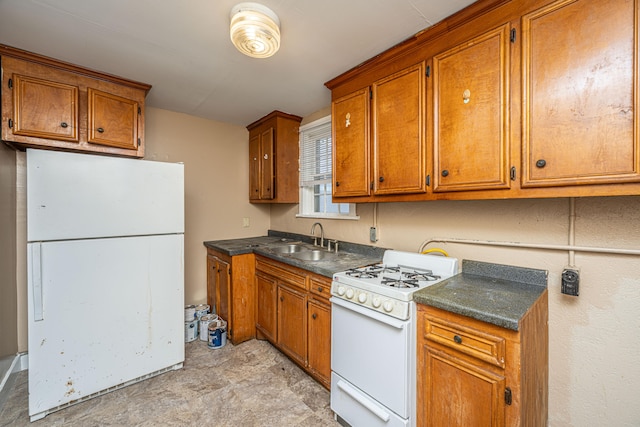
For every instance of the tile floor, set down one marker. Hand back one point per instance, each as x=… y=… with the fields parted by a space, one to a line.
x=251 y=384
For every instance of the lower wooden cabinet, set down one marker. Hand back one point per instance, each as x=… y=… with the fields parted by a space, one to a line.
x=230 y=289
x=292 y=323
x=319 y=341
x=471 y=373
x=294 y=314
x=267 y=306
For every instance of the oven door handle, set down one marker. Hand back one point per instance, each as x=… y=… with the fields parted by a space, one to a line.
x=371 y=407
x=382 y=318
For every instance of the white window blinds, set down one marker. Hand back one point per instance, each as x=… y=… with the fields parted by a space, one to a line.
x=315 y=174
x=315 y=155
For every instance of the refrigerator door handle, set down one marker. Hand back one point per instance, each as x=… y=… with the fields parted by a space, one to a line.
x=36 y=281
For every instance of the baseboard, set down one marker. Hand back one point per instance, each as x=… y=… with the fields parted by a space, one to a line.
x=19 y=362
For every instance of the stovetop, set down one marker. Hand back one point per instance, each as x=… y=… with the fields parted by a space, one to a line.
x=399 y=274
x=388 y=287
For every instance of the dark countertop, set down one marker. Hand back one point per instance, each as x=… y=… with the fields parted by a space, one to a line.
x=349 y=255
x=493 y=293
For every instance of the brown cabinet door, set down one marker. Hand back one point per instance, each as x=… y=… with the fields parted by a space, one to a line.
x=254 y=167
x=350 y=127
x=112 y=120
x=44 y=109
x=398 y=132
x=319 y=338
x=267 y=173
x=267 y=308
x=223 y=309
x=292 y=323
x=470 y=114
x=579 y=82
x=458 y=393
x=212 y=282
x=261 y=165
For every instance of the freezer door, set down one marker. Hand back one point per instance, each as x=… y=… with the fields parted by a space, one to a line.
x=102 y=312
x=76 y=196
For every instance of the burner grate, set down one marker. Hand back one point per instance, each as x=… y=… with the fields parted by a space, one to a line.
x=421 y=275
x=399 y=283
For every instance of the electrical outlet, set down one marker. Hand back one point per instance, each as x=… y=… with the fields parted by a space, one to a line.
x=373 y=234
x=571 y=281
x=245 y=222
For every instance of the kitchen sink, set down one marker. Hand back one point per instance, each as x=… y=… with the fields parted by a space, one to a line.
x=311 y=255
x=289 y=248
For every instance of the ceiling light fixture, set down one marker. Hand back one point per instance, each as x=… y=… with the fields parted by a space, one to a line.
x=255 y=30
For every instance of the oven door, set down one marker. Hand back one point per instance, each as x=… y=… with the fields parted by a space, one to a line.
x=371 y=355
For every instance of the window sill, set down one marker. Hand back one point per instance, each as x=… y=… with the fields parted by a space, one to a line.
x=320 y=216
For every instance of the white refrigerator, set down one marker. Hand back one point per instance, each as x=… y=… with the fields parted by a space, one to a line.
x=105 y=274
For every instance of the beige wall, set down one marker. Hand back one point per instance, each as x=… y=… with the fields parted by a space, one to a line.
x=215 y=157
x=594 y=347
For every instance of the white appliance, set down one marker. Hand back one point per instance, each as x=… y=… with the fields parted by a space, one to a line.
x=373 y=338
x=105 y=274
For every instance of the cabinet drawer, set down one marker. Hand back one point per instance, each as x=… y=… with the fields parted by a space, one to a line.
x=282 y=273
x=480 y=345
x=320 y=288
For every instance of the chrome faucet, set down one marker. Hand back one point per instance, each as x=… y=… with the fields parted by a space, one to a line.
x=313 y=234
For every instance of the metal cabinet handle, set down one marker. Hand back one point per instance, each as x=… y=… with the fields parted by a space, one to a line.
x=445 y=173
x=381 y=179
x=313 y=316
x=541 y=163
x=281 y=298
x=457 y=339
x=64 y=125
x=337 y=183
x=319 y=288
x=101 y=130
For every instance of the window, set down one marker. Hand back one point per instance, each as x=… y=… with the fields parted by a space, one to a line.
x=315 y=173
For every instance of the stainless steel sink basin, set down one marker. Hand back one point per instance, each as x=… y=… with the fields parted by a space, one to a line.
x=311 y=255
x=289 y=248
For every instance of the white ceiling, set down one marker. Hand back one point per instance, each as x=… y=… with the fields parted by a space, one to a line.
x=182 y=47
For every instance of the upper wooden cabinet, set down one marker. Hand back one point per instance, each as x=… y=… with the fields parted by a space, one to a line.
x=379 y=134
x=113 y=120
x=261 y=171
x=350 y=126
x=273 y=159
x=398 y=132
x=33 y=96
x=470 y=114
x=524 y=99
x=51 y=104
x=580 y=112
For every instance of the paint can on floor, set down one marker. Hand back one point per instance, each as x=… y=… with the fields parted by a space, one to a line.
x=190 y=331
x=204 y=325
x=217 y=334
x=189 y=313
x=201 y=310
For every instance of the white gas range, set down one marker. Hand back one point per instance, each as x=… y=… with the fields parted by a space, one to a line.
x=373 y=337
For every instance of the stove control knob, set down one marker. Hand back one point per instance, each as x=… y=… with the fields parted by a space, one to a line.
x=387 y=306
x=341 y=290
x=376 y=302
x=362 y=298
x=350 y=293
